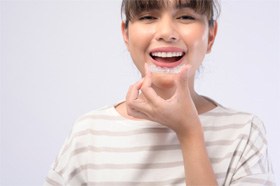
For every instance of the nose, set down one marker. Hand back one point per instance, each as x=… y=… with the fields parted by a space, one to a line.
x=166 y=30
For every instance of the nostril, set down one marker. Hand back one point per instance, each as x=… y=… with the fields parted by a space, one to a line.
x=168 y=38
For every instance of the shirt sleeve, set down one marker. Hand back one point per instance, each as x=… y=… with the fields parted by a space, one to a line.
x=55 y=175
x=54 y=179
x=254 y=167
x=66 y=163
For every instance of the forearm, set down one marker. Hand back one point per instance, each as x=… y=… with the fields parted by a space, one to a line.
x=198 y=168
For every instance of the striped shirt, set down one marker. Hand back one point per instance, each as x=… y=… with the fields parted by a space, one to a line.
x=106 y=149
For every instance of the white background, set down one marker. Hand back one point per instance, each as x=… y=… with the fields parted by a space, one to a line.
x=61 y=59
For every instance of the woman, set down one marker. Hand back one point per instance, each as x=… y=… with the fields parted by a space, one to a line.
x=165 y=133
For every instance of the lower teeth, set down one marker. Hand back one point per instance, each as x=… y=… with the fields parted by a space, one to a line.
x=157 y=69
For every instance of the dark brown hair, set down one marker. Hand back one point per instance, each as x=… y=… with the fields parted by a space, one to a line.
x=132 y=8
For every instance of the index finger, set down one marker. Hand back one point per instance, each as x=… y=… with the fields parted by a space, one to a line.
x=147 y=89
x=133 y=91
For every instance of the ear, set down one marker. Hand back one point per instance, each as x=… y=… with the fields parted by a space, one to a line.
x=124 y=33
x=212 y=35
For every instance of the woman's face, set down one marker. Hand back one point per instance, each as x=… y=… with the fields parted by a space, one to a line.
x=169 y=37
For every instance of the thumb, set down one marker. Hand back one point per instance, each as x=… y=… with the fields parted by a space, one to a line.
x=182 y=82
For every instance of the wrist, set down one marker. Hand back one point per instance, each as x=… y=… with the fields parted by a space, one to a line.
x=190 y=133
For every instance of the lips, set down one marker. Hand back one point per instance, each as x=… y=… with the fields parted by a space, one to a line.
x=167 y=57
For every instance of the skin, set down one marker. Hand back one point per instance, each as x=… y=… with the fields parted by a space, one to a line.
x=171 y=99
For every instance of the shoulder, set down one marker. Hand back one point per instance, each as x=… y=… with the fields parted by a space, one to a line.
x=80 y=137
x=95 y=119
x=103 y=112
x=245 y=136
x=229 y=115
x=232 y=123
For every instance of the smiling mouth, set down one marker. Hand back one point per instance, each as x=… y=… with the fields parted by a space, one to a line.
x=166 y=62
x=166 y=57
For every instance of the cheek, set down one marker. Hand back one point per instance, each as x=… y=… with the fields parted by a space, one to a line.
x=139 y=37
x=197 y=41
x=196 y=36
x=138 y=43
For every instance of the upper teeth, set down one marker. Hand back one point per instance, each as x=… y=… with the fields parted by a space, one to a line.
x=167 y=54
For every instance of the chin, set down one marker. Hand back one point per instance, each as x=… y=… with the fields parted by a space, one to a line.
x=163 y=80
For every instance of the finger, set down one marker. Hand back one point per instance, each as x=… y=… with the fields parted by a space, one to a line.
x=183 y=76
x=141 y=104
x=146 y=88
x=136 y=114
x=181 y=81
x=136 y=102
x=139 y=108
x=147 y=82
x=147 y=70
x=133 y=91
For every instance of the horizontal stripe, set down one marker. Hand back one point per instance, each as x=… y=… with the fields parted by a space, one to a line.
x=127 y=150
x=254 y=180
x=119 y=150
x=225 y=127
x=124 y=167
x=100 y=117
x=123 y=133
x=226 y=142
x=114 y=134
x=226 y=114
x=134 y=166
x=226 y=157
x=165 y=182
x=146 y=148
x=129 y=133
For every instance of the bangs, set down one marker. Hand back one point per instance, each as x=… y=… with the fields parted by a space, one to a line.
x=132 y=8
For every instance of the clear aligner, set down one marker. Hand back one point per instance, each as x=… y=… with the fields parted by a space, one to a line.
x=157 y=69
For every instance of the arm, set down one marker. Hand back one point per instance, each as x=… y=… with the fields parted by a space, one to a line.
x=198 y=168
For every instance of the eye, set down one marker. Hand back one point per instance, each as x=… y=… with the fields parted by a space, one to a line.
x=148 y=18
x=186 y=17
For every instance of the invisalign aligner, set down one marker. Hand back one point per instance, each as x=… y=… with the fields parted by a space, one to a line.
x=157 y=69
